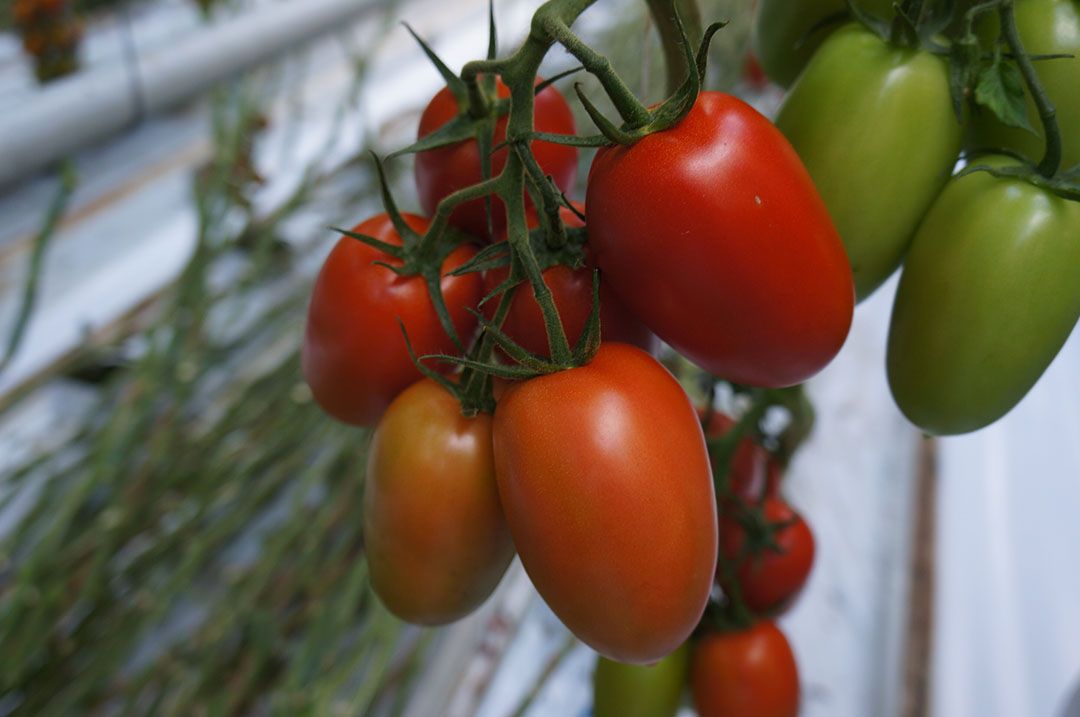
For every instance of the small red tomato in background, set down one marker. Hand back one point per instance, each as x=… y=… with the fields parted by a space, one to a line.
x=434 y=533
x=572 y=291
x=443 y=171
x=770 y=580
x=354 y=357
x=713 y=234
x=749 y=673
x=751 y=465
x=605 y=481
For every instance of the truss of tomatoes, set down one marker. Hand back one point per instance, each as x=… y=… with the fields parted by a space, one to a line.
x=709 y=235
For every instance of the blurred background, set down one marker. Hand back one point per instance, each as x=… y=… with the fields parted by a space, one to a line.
x=180 y=524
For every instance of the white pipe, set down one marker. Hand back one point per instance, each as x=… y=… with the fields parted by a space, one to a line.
x=73 y=113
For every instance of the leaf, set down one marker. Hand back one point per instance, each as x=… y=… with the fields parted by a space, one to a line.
x=1000 y=89
x=459 y=129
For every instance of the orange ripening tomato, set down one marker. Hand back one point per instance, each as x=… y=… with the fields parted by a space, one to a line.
x=605 y=481
x=354 y=357
x=434 y=533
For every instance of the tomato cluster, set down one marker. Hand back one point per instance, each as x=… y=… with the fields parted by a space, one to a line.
x=503 y=345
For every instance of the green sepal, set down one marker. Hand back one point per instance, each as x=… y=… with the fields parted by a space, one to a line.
x=569 y=140
x=504 y=286
x=409 y=238
x=589 y=342
x=386 y=248
x=541 y=86
x=434 y=283
x=606 y=126
x=434 y=375
x=490 y=257
x=459 y=129
x=455 y=83
x=491 y=369
x=485 y=137
x=878 y=26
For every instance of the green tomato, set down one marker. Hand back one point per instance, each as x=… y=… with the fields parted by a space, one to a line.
x=621 y=690
x=988 y=295
x=874 y=125
x=781 y=37
x=1045 y=26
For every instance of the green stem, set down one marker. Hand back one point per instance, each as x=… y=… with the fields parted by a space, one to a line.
x=555 y=24
x=1051 y=160
x=671 y=42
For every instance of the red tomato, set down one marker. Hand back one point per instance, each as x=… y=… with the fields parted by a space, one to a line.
x=605 y=481
x=748 y=477
x=571 y=290
x=750 y=673
x=354 y=357
x=770 y=580
x=713 y=234
x=443 y=171
x=434 y=534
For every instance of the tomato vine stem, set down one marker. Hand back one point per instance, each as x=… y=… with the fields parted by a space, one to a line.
x=1051 y=160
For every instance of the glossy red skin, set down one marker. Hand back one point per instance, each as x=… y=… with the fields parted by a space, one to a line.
x=434 y=533
x=440 y=172
x=750 y=464
x=750 y=673
x=572 y=291
x=770 y=581
x=606 y=486
x=713 y=233
x=354 y=357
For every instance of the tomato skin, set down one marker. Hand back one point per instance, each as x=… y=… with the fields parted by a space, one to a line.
x=1045 y=27
x=597 y=466
x=750 y=673
x=770 y=581
x=354 y=357
x=434 y=533
x=987 y=298
x=443 y=171
x=572 y=290
x=621 y=690
x=713 y=234
x=853 y=117
x=780 y=25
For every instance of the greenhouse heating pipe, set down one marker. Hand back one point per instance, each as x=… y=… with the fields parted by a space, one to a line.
x=89 y=106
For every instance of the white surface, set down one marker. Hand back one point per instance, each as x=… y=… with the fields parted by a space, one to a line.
x=1007 y=639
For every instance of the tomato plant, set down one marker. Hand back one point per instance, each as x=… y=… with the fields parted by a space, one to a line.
x=854 y=116
x=597 y=466
x=987 y=298
x=434 y=533
x=784 y=35
x=621 y=690
x=354 y=357
x=572 y=291
x=748 y=673
x=727 y=255
x=771 y=576
x=444 y=170
x=1046 y=27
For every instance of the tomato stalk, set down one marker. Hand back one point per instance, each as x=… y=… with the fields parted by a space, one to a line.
x=1051 y=159
x=666 y=16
